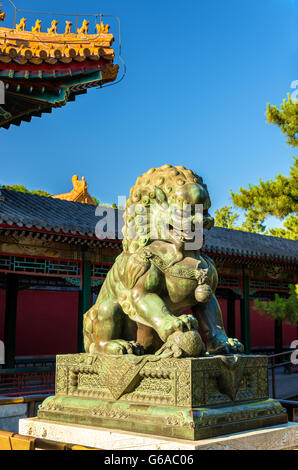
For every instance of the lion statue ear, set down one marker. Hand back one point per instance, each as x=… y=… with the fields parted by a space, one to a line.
x=160 y=196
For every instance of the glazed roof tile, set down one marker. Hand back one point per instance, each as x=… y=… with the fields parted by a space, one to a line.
x=22 y=47
x=27 y=210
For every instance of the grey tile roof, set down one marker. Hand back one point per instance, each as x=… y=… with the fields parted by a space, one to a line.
x=236 y=242
x=45 y=213
x=41 y=212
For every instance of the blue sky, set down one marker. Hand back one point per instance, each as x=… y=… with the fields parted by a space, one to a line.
x=199 y=75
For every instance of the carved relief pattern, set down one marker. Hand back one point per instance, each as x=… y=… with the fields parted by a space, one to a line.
x=61 y=380
x=183 y=389
x=172 y=381
x=153 y=390
x=174 y=393
x=197 y=388
x=262 y=386
x=179 y=420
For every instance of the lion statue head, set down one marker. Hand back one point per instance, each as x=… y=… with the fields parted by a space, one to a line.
x=154 y=207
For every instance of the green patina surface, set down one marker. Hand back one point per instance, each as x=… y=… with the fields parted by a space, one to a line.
x=146 y=368
x=160 y=274
x=188 y=398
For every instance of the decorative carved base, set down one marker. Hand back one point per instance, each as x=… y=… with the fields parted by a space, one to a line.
x=191 y=398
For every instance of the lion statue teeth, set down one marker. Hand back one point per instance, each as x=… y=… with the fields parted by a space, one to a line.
x=156 y=278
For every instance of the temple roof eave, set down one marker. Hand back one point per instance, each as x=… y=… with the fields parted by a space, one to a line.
x=33 y=212
x=45 y=70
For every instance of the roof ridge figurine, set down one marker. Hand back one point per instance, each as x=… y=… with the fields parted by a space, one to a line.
x=60 y=65
x=2 y=13
x=79 y=193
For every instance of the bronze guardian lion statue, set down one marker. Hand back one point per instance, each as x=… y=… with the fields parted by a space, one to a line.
x=139 y=309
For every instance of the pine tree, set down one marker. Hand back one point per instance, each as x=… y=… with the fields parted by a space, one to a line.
x=225 y=217
x=281 y=308
x=277 y=197
x=286 y=118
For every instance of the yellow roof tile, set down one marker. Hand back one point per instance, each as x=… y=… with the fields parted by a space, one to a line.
x=21 y=46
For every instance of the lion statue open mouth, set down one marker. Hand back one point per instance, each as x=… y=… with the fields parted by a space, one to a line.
x=139 y=309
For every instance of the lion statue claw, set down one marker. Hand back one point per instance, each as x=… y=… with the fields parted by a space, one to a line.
x=157 y=277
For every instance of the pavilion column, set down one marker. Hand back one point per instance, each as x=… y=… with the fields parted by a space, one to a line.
x=12 y=285
x=84 y=300
x=278 y=336
x=231 y=328
x=245 y=314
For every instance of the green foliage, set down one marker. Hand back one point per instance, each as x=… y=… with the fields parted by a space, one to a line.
x=39 y=192
x=277 y=197
x=114 y=205
x=103 y=204
x=290 y=231
x=281 y=308
x=225 y=217
x=253 y=223
x=15 y=187
x=286 y=118
x=21 y=188
x=96 y=201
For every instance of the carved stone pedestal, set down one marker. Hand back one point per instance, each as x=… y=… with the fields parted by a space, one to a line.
x=191 y=398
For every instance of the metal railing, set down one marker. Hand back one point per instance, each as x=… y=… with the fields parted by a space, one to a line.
x=275 y=363
x=34 y=361
x=32 y=402
x=291 y=407
x=13 y=441
x=27 y=381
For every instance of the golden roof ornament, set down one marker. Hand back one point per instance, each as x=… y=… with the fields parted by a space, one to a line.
x=83 y=52
x=53 y=46
x=79 y=193
x=53 y=28
x=2 y=13
x=21 y=26
x=84 y=28
x=68 y=25
x=37 y=27
x=102 y=29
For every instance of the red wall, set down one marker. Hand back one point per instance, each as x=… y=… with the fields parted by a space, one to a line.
x=2 y=313
x=46 y=322
x=289 y=334
x=262 y=329
x=223 y=306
